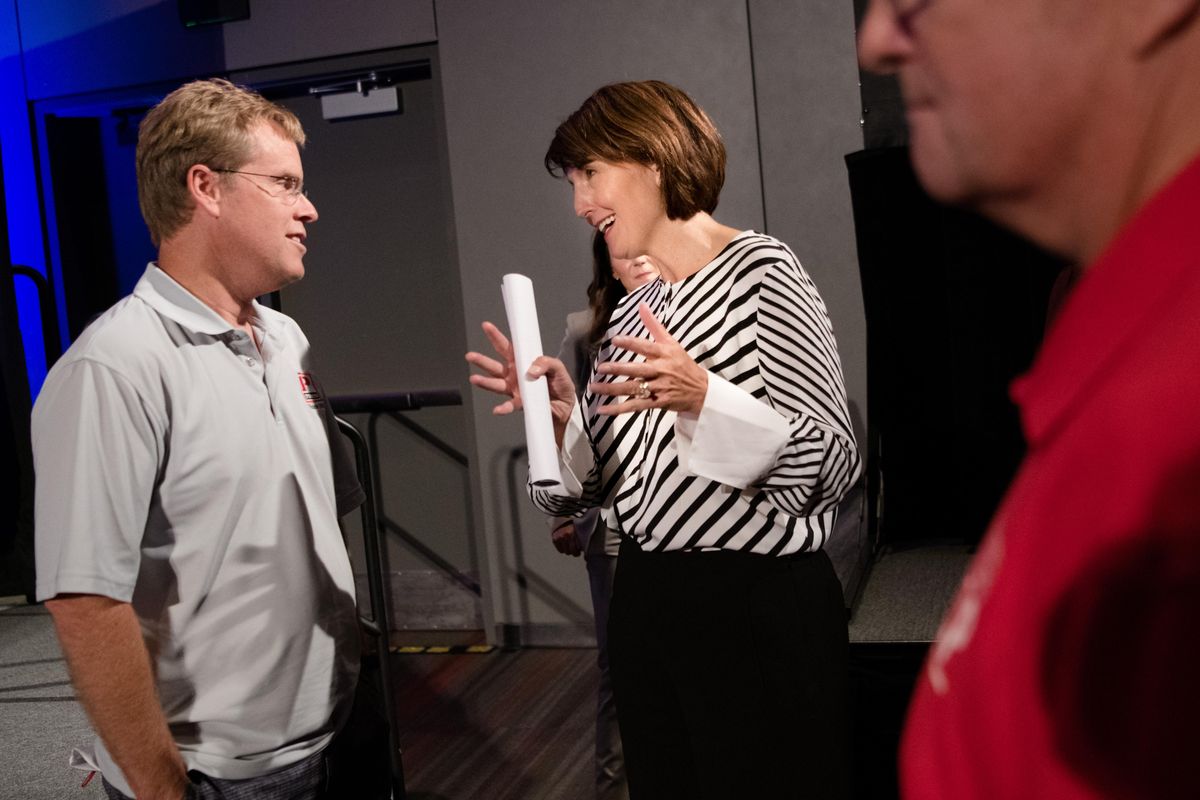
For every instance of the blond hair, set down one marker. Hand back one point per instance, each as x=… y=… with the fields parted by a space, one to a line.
x=202 y=122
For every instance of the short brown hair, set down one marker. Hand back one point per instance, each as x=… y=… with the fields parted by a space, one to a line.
x=202 y=122
x=650 y=123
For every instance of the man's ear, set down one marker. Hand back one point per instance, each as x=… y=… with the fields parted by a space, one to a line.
x=204 y=186
x=1152 y=23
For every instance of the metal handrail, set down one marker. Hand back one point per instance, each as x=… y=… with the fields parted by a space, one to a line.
x=50 y=343
x=385 y=402
x=378 y=625
x=391 y=404
x=429 y=438
x=430 y=555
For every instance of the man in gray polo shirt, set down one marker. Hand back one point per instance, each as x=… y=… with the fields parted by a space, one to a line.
x=187 y=517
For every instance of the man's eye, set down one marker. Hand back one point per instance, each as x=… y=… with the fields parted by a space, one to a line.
x=289 y=184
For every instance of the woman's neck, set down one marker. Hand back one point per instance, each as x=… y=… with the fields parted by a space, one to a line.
x=681 y=248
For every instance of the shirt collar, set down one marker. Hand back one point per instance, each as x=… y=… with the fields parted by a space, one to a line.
x=166 y=296
x=1117 y=296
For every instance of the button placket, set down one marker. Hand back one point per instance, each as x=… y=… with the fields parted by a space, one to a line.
x=246 y=352
x=277 y=379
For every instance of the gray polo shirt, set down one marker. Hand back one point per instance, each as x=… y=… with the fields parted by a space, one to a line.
x=182 y=469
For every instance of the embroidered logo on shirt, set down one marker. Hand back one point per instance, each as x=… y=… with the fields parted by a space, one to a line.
x=958 y=628
x=310 y=392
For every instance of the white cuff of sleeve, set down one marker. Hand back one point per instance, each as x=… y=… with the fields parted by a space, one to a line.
x=735 y=440
x=575 y=457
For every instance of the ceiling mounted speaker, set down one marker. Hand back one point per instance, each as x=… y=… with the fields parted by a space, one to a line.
x=194 y=13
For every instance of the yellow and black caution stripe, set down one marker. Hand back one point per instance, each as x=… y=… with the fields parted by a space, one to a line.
x=455 y=650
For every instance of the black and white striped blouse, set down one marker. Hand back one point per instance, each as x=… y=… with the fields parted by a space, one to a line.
x=752 y=317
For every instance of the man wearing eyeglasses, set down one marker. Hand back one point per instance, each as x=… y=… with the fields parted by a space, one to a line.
x=1067 y=666
x=190 y=481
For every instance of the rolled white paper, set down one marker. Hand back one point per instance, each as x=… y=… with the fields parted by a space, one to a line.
x=535 y=395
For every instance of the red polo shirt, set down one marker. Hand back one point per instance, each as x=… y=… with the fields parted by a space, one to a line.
x=1069 y=664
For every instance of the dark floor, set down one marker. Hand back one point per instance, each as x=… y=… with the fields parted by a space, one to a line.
x=509 y=724
x=496 y=725
x=904 y=598
x=502 y=724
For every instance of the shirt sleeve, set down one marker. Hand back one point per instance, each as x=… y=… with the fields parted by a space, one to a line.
x=347 y=488
x=792 y=438
x=580 y=473
x=734 y=440
x=97 y=450
x=576 y=458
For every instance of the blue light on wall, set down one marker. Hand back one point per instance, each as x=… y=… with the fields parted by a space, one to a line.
x=20 y=189
x=54 y=49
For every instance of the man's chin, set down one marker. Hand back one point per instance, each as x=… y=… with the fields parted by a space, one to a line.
x=940 y=176
x=291 y=276
x=282 y=280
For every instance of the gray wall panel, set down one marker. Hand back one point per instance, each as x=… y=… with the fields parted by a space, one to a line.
x=381 y=302
x=511 y=73
x=772 y=73
x=280 y=31
x=808 y=110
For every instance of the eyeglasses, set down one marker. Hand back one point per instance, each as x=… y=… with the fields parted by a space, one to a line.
x=905 y=11
x=290 y=186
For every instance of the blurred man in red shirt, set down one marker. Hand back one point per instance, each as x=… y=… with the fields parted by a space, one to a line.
x=1067 y=665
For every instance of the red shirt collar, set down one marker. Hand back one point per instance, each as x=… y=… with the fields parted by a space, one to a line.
x=1117 y=296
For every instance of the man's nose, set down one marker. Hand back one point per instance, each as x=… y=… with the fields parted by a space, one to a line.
x=306 y=210
x=882 y=44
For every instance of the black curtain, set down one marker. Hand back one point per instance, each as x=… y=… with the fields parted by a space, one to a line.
x=85 y=240
x=16 y=492
x=955 y=309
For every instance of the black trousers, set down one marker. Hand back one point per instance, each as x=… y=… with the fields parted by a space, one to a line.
x=730 y=675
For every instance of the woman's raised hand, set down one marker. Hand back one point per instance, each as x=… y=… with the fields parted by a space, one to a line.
x=667 y=378
x=500 y=376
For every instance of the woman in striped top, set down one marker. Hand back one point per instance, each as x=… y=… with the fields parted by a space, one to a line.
x=716 y=429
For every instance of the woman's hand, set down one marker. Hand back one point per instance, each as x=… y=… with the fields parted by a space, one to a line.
x=668 y=378
x=501 y=377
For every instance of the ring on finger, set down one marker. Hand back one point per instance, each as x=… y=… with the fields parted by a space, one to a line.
x=643 y=390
